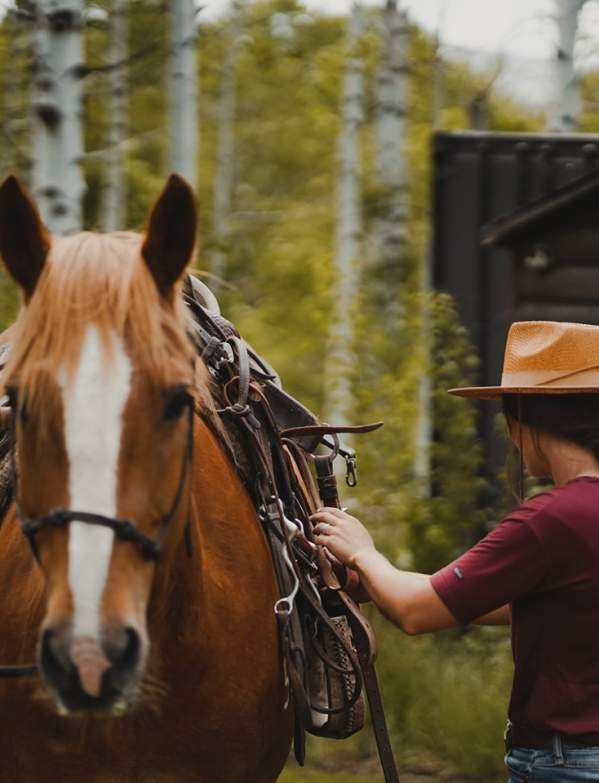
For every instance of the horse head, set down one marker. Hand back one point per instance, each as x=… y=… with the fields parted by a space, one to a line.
x=102 y=382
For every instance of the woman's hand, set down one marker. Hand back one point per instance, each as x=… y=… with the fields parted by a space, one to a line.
x=344 y=536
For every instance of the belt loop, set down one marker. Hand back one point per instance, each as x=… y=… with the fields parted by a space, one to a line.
x=507 y=738
x=558 y=751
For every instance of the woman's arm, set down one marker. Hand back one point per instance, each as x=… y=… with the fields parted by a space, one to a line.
x=359 y=592
x=405 y=598
x=501 y=616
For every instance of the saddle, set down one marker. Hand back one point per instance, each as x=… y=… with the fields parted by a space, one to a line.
x=327 y=645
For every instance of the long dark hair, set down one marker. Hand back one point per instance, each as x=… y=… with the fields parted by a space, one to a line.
x=572 y=417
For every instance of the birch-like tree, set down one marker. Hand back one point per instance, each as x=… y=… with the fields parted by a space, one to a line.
x=184 y=90
x=348 y=239
x=566 y=102
x=391 y=226
x=58 y=183
x=113 y=207
x=225 y=158
x=393 y=84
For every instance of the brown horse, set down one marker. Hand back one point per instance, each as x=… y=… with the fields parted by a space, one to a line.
x=153 y=670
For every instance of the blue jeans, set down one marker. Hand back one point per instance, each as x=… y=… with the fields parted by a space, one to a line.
x=559 y=765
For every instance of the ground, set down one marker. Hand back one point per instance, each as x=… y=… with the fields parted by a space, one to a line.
x=413 y=768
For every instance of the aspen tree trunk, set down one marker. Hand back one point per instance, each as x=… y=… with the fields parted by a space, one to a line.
x=392 y=135
x=392 y=226
x=348 y=240
x=424 y=423
x=225 y=161
x=184 y=91
x=113 y=208
x=58 y=184
x=566 y=104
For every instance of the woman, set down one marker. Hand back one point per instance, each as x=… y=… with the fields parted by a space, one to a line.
x=538 y=569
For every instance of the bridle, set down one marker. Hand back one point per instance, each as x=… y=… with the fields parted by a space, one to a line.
x=122 y=528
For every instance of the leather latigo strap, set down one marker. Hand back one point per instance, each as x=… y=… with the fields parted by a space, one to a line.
x=379 y=723
x=365 y=642
x=327 y=481
x=302 y=476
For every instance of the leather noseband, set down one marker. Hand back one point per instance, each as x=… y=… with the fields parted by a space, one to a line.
x=123 y=528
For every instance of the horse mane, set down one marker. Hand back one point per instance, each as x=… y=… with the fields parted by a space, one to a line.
x=101 y=279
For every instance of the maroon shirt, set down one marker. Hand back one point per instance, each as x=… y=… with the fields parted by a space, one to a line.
x=544 y=560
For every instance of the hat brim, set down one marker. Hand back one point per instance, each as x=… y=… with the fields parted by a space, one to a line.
x=497 y=392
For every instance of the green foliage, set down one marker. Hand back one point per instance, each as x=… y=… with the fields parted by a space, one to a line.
x=446 y=694
x=294 y=774
x=449 y=697
x=279 y=252
x=445 y=701
x=443 y=528
x=589 y=92
x=9 y=300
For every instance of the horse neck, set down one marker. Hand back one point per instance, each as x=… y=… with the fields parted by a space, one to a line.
x=22 y=604
x=182 y=580
x=229 y=549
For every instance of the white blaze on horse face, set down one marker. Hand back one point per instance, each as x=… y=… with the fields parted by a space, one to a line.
x=93 y=402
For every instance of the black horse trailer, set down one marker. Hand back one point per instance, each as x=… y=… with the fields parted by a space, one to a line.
x=516 y=237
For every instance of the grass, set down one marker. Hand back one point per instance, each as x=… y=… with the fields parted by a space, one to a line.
x=445 y=700
x=306 y=775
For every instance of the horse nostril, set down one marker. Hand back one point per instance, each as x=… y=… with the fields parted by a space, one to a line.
x=124 y=656
x=54 y=662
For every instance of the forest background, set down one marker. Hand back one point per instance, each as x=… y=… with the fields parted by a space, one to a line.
x=446 y=695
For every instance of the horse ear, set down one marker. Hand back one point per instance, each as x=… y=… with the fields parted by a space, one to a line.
x=24 y=241
x=171 y=235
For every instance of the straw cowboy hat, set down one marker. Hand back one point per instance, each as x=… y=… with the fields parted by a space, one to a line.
x=545 y=357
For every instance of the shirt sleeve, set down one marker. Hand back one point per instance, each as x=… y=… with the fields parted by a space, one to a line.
x=505 y=565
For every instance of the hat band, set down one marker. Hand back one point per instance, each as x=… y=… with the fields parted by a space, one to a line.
x=539 y=378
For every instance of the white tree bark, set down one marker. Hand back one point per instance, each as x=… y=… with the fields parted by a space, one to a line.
x=424 y=422
x=566 y=104
x=113 y=207
x=225 y=161
x=184 y=91
x=391 y=131
x=348 y=240
x=58 y=184
x=392 y=225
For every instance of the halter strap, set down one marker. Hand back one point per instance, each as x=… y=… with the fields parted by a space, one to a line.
x=123 y=528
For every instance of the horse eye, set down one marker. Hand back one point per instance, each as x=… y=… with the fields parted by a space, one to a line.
x=13 y=397
x=177 y=400
x=13 y=400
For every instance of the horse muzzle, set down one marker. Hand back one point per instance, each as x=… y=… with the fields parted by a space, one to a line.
x=90 y=676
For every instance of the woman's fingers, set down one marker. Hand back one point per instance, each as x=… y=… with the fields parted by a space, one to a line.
x=324 y=519
x=335 y=512
x=340 y=533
